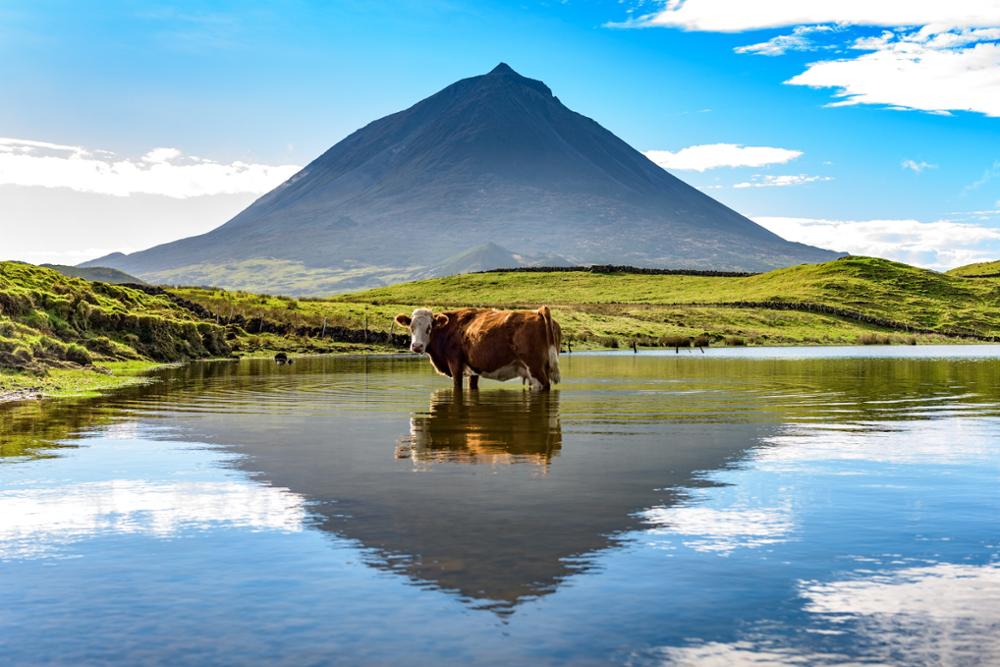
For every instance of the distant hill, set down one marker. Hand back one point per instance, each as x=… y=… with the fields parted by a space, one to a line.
x=101 y=273
x=978 y=270
x=493 y=161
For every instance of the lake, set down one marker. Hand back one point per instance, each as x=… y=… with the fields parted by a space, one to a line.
x=757 y=506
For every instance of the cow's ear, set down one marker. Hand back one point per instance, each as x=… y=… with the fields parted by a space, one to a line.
x=403 y=319
x=440 y=320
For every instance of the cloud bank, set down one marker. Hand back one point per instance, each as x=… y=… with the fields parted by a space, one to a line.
x=161 y=171
x=741 y=15
x=940 y=245
x=937 y=57
x=713 y=156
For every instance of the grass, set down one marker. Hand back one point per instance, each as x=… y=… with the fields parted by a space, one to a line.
x=76 y=382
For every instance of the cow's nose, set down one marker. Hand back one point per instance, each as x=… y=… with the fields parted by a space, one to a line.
x=417 y=348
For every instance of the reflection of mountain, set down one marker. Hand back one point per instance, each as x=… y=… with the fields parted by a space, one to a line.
x=508 y=428
x=495 y=534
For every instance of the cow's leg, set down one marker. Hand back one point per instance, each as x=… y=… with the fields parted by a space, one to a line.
x=537 y=374
x=474 y=382
x=457 y=369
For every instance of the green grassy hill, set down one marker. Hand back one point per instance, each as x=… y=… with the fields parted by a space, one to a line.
x=48 y=320
x=978 y=270
x=99 y=273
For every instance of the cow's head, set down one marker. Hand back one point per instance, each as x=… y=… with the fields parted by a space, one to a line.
x=421 y=324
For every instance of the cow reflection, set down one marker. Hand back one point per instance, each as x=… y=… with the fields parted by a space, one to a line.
x=494 y=428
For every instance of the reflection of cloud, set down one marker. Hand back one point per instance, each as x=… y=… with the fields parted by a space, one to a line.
x=942 y=441
x=941 y=614
x=33 y=520
x=723 y=531
x=737 y=654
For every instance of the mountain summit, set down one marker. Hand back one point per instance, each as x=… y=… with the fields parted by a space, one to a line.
x=494 y=159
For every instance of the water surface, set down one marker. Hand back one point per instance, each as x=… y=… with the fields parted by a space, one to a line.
x=766 y=507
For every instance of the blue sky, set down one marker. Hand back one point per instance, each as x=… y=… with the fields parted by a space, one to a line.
x=236 y=95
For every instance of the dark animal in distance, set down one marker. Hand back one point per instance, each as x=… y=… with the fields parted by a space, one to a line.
x=494 y=344
x=282 y=358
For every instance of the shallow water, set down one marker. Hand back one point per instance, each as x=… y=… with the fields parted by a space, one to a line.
x=780 y=506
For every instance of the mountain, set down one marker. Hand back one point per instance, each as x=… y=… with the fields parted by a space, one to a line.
x=490 y=159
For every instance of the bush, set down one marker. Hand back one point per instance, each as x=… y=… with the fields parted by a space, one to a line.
x=875 y=339
x=735 y=341
x=676 y=341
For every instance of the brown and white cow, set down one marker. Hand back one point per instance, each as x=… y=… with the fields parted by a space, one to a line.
x=494 y=344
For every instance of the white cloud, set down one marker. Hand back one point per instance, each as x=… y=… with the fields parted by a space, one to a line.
x=712 y=156
x=937 y=56
x=777 y=46
x=940 y=245
x=161 y=171
x=989 y=174
x=159 y=155
x=917 y=166
x=921 y=70
x=740 y=15
x=780 y=181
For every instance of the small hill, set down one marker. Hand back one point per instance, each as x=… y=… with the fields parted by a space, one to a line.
x=49 y=319
x=99 y=273
x=491 y=157
x=978 y=270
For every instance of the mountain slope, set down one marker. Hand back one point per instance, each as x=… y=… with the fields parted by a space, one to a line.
x=490 y=158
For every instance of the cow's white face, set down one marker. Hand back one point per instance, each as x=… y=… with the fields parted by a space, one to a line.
x=421 y=324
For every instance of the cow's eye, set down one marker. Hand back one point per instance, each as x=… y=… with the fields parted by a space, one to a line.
x=428 y=329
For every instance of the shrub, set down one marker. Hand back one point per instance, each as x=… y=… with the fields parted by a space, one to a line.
x=735 y=341
x=872 y=338
x=676 y=341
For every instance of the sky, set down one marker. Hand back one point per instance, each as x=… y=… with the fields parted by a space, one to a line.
x=871 y=127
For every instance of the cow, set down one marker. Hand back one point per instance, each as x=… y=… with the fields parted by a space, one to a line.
x=494 y=344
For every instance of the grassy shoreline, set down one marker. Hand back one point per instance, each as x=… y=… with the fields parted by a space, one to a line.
x=74 y=382
x=66 y=336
